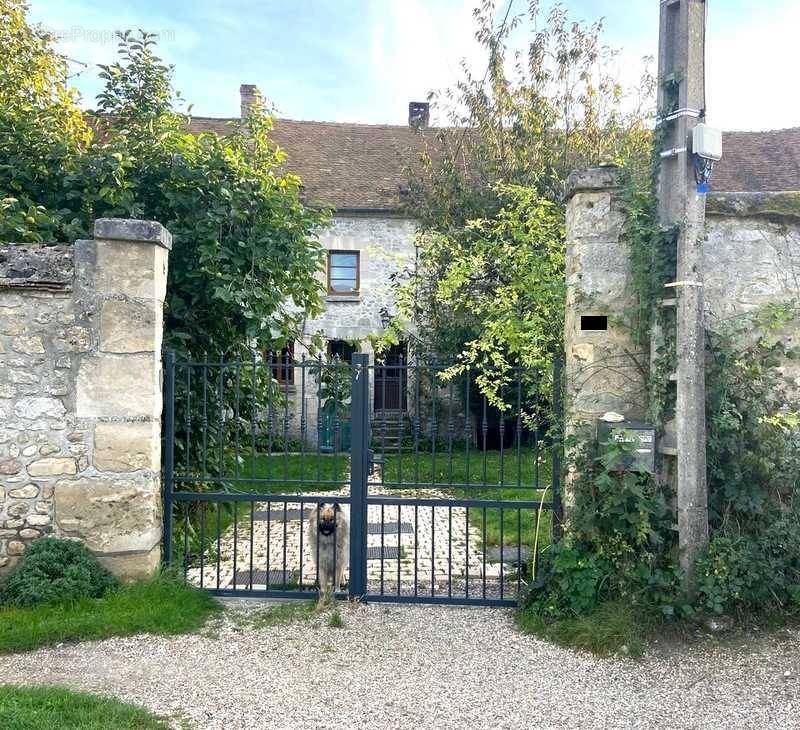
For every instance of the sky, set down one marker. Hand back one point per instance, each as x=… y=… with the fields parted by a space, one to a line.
x=364 y=60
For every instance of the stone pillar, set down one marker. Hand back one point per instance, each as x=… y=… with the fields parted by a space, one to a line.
x=80 y=394
x=115 y=505
x=605 y=370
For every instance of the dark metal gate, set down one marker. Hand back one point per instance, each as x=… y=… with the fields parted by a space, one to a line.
x=449 y=498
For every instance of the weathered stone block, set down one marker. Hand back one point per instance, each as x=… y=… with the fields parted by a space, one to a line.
x=74 y=339
x=37 y=520
x=118 y=386
x=133 y=566
x=110 y=515
x=52 y=466
x=10 y=466
x=122 y=447
x=27 y=492
x=34 y=408
x=15 y=547
x=133 y=269
x=29 y=533
x=28 y=345
x=130 y=326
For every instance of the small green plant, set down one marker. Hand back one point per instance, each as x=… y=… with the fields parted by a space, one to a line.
x=335 y=620
x=753 y=573
x=620 y=548
x=54 y=571
x=605 y=629
x=280 y=614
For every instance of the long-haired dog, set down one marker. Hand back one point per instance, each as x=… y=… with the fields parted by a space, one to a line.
x=328 y=542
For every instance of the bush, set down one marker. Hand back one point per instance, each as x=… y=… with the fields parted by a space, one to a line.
x=620 y=546
x=748 y=572
x=54 y=571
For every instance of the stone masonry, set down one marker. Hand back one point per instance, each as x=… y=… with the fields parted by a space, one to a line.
x=603 y=366
x=80 y=394
x=752 y=259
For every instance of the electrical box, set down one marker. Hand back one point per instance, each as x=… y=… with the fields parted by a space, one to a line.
x=707 y=142
x=641 y=434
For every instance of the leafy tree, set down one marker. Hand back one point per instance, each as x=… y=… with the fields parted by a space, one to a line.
x=489 y=189
x=42 y=132
x=245 y=256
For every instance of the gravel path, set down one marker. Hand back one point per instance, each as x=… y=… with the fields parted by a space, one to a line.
x=409 y=667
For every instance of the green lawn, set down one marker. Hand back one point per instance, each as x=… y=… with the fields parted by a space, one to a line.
x=475 y=468
x=490 y=478
x=47 y=708
x=163 y=605
x=290 y=473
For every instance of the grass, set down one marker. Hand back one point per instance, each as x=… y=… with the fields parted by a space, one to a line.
x=612 y=628
x=335 y=620
x=163 y=605
x=291 y=473
x=476 y=469
x=44 y=708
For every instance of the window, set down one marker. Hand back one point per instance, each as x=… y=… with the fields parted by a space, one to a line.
x=343 y=272
x=341 y=349
x=283 y=364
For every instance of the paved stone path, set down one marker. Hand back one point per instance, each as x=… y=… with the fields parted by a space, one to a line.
x=434 y=545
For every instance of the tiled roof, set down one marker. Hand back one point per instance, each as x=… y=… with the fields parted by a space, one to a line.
x=758 y=162
x=363 y=166
x=348 y=166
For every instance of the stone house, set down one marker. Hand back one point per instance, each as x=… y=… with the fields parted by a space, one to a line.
x=360 y=172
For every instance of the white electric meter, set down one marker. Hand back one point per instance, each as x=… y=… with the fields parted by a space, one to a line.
x=707 y=142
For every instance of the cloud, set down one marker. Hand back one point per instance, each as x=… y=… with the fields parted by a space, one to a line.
x=416 y=46
x=753 y=66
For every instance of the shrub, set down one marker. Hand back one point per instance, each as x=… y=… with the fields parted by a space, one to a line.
x=753 y=572
x=54 y=571
x=620 y=546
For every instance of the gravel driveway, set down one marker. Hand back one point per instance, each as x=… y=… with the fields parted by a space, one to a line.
x=408 y=667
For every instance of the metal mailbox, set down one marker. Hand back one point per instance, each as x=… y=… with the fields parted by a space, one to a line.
x=633 y=431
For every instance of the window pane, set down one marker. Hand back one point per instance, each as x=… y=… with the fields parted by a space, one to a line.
x=344 y=259
x=343 y=284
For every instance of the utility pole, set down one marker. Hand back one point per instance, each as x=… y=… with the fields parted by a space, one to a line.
x=682 y=105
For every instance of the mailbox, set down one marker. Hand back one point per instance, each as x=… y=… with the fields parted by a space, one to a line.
x=644 y=455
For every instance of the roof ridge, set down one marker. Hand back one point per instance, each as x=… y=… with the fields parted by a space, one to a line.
x=313 y=121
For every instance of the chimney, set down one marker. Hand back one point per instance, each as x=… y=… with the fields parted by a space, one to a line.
x=249 y=96
x=419 y=114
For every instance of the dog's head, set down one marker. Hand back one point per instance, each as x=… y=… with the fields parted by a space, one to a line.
x=326 y=521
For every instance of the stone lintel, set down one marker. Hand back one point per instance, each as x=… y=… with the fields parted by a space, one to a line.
x=593 y=180
x=129 y=229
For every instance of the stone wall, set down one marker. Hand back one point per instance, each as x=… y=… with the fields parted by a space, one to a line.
x=80 y=394
x=386 y=246
x=752 y=258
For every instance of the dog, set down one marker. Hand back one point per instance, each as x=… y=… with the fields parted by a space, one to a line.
x=328 y=542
